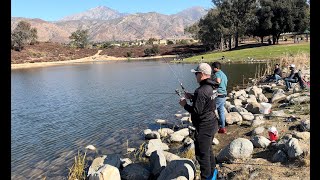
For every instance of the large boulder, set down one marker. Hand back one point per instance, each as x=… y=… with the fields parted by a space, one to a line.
x=152 y=135
x=96 y=164
x=262 y=98
x=170 y=156
x=233 y=117
x=253 y=107
x=278 y=95
x=248 y=116
x=293 y=148
x=260 y=142
x=288 y=98
x=300 y=100
x=301 y=135
x=164 y=132
x=305 y=125
x=177 y=168
x=106 y=172
x=240 y=148
x=155 y=144
x=157 y=162
x=257 y=131
x=134 y=172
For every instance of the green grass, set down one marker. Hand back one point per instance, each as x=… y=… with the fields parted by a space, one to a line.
x=257 y=53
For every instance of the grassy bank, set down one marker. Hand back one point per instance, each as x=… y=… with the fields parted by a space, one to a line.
x=258 y=53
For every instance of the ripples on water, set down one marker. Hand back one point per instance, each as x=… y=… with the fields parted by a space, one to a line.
x=56 y=111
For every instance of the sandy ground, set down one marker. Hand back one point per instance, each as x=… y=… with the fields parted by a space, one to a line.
x=94 y=58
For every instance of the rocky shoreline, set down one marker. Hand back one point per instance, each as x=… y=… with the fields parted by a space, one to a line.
x=245 y=152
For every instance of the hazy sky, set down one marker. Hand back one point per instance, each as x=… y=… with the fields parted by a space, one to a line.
x=52 y=10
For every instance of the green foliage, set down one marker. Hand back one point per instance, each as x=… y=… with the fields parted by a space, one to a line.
x=152 y=51
x=129 y=54
x=169 y=42
x=151 y=40
x=79 y=38
x=23 y=34
x=183 y=41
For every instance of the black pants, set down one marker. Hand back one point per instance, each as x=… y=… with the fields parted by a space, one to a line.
x=203 y=148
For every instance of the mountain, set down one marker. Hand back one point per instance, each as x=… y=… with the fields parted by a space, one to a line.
x=105 y=24
x=100 y=12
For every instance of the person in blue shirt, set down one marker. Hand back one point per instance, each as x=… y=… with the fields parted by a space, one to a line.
x=220 y=78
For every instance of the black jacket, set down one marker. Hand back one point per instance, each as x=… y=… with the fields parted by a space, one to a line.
x=277 y=71
x=203 y=106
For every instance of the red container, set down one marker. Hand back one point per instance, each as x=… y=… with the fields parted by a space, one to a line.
x=273 y=136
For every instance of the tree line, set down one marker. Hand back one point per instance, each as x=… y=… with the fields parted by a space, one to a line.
x=232 y=19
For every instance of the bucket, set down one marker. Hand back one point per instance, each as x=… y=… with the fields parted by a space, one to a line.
x=273 y=134
x=265 y=108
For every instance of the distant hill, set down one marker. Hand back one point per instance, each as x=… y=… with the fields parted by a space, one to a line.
x=106 y=24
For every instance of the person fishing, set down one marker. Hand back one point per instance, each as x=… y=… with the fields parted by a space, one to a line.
x=203 y=119
x=294 y=77
x=221 y=79
x=277 y=75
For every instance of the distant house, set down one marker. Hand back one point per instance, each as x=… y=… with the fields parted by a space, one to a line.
x=163 y=41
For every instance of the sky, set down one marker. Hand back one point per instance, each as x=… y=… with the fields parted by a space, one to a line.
x=52 y=10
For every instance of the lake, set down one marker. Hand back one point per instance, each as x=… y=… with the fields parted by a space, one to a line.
x=56 y=111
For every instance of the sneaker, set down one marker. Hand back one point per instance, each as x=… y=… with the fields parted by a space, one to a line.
x=222 y=130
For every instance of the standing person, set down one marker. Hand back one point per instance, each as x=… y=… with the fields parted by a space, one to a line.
x=277 y=74
x=221 y=79
x=203 y=119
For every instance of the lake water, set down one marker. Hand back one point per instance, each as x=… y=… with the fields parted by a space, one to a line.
x=56 y=111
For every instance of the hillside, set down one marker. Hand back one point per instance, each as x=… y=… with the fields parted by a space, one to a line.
x=106 y=24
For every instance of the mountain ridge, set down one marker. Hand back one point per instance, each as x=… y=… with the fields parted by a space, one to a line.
x=106 y=24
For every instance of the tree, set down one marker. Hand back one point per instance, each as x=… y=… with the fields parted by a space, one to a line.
x=23 y=34
x=79 y=38
x=262 y=26
x=236 y=15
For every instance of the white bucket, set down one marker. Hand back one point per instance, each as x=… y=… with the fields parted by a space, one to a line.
x=265 y=108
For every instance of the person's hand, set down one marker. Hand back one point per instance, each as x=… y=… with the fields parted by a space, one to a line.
x=183 y=102
x=187 y=95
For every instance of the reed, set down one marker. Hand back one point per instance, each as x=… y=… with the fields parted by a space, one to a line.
x=77 y=169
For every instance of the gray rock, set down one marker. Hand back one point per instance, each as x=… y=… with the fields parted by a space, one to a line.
x=135 y=172
x=238 y=109
x=240 y=148
x=215 y=141
x=293 y=148
x=300 y=100
x=106 y=172
x=257 y=122
x=176 y=168
x=155 y=144
x=278 y=113
x=253 y=107
x=96 y=164
x=260 y=142
x=125 y=162
x=152 y=135
x=183 y=132
x=113 y=160
x=170 y=156
x=147 y=131
x=237 y=102
x=164 y=132
x=187 y=141
x=248 y=116
x=278 y=97
x=257 y=131
x=305 y=125
x=288 y=98
x=301 y=135
x=262 y=98
x=157 y=162
x=233 y=117
x=176 y=137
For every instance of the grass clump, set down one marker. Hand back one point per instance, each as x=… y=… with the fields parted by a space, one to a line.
x=77 y=169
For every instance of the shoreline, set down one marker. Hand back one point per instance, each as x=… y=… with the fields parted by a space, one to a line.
x=94 y=58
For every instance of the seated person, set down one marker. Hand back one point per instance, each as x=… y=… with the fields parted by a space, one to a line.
x=294 y=77
x=277 y=74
